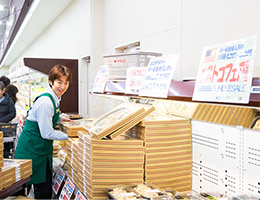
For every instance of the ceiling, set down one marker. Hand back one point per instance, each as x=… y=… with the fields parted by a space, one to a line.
x=4 y=10
x=34 y=26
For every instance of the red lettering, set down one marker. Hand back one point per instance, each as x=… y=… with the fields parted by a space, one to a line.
x=244 y=66
x=223 y=69
x=233 y=79
x=209 y=73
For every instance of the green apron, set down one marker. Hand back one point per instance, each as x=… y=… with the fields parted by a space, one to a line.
x=32 y=146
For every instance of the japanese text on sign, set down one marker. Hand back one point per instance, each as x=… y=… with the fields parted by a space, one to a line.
x=134 y=79
x=58 y=180
x=158 y=76
x=80 y=196
x=225 y=72
x=100 y=79
x=67 y=190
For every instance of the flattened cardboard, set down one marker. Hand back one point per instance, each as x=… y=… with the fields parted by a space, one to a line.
x=113 y=120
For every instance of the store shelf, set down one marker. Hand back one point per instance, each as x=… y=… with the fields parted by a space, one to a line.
x=181 y=91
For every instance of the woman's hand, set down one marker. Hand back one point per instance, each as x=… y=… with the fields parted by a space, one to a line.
x=66 y=120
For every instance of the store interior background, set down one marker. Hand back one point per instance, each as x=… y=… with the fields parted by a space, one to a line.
x=77 y=29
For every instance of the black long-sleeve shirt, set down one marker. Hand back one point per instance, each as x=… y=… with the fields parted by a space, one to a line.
x=7 y=109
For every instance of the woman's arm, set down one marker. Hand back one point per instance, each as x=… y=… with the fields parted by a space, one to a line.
x=45 y=113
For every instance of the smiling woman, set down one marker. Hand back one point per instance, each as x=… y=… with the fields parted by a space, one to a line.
x=36 y=139
x=59 y=79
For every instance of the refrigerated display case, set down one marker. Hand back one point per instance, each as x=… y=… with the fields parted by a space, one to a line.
x=30 y=84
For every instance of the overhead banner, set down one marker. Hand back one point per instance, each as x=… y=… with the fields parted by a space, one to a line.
x=225 y=72
x=158 y=76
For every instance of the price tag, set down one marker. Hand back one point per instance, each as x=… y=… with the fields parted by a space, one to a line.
x=225 y=72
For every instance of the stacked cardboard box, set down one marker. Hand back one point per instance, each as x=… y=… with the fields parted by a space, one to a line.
x=1 y=157
x=15 y=170
x=135 y=120
x=72 y=128
x=8 y=176
x=114 y=120
x=72 y=159
x=103 y=163
x=168 y=152
x=105 y=156
x=224 y=115
x=55 y=149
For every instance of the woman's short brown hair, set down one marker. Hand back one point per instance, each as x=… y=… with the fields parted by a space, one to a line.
x=58 y=71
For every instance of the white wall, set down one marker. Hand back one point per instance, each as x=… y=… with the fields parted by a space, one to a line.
x=180 y=26
x=205 y=23
x=3 y=70
x=95 y=27
x=69 y=37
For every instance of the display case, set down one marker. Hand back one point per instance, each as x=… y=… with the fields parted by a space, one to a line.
x=30 y=84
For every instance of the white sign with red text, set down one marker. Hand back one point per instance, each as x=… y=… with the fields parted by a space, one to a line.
x=134 y=79
x=80 y=196
x=67 y=190
x=158 y=76
x=225 y=72
x=57 y=180
x=100 y=79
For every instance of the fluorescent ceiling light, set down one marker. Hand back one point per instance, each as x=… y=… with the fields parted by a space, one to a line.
x=25 y=21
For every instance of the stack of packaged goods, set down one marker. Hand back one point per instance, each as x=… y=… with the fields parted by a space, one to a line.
x=8 y=176
x=107 y=162
x=71 y=159
x=55 y=149
x=168 y=150
x=62 y=149
x=135 y=120
x=103 y=156
x=15 y=170
x=1 y=156
x=73 y=116
x=224 y=115
x=62 y=143
x=72 y=128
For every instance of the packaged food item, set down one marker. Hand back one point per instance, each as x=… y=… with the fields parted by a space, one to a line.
x=170 y=191
x=148 y=190
x=122 y=192
x=185 y=195
x=257 y=125
x=213 y=195
x=163 y=198
x=245 y=197
x=63 y=155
